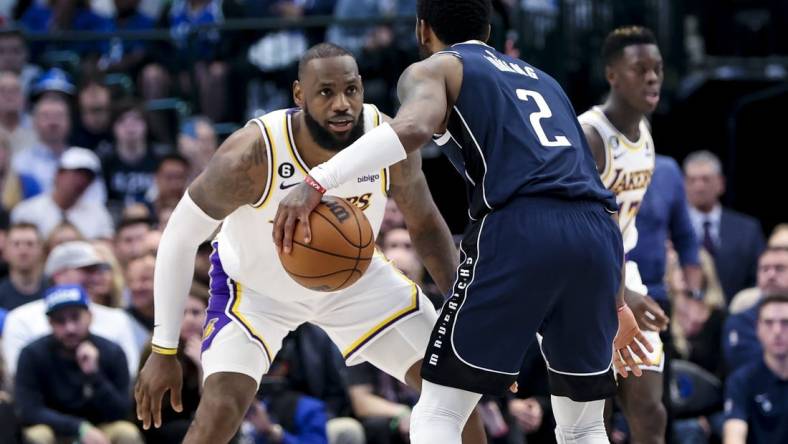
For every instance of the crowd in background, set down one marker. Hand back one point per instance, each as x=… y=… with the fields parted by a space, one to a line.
x=95 y=153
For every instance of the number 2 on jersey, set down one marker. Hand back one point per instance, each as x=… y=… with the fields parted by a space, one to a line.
x=536 y=118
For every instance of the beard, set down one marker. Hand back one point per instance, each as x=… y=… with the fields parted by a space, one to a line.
x=326 y=139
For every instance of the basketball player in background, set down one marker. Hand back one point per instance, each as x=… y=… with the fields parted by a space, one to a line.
x=383 y=318
x=542 y=252
x=618 y=135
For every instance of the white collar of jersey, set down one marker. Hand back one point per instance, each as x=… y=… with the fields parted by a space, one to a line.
x=472 y=42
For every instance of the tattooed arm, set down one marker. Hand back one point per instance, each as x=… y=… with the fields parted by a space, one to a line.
x=430 y=234
x=235 y=176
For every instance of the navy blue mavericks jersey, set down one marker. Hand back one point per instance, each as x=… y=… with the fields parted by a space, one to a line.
x=513 y=132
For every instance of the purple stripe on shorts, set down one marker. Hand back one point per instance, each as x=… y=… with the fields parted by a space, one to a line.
x=216 y=317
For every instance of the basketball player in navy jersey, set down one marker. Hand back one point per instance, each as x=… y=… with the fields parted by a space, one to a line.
x=542 y=253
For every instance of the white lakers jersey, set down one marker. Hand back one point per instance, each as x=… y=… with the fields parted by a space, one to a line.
x=628 y=169
x=246 y=249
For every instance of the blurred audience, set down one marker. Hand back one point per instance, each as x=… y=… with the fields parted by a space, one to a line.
x=392 y=218
x=71 y=383
x=396 y=238
x=130 y=239
x=65 y=202
x=24 y=253
x=14 y=57
x=13 y=117
x=62 y=233
x=64 y=15
x=129 y=169
x=741 y=345
x=755 y=400
x=72 y=263
x=92 y=130
x=109 y=283
x=10 y=182
x=196 y=143
x=127 y=56
x=779 y=236
x=139 y=277
x=171 y=180
x=735 y=240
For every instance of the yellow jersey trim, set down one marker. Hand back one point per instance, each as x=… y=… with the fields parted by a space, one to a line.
x=237 y=294
x=163 y=350
x=290 y=139
x=628 y=144
x=389 y=321
x=271 y=153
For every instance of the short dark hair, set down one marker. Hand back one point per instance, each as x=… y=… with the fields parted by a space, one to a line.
x=771 y=299
x=125 y=105
x=620 y=38
x=321 y=51
x=173 y=157
x=456 y=21
x=773 y=249
x=25 y=226
x=131 y=221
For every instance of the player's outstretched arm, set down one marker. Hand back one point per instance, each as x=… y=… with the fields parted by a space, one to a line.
x=234 y=177
x=425 y=89
x=428 y=230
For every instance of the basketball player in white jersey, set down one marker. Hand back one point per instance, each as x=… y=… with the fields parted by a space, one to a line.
x=619 y=137
x=383 y=318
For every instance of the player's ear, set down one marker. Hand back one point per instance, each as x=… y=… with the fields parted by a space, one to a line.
x=610 y=75
x=298 y=94
x=487 y=34
x=422 y=32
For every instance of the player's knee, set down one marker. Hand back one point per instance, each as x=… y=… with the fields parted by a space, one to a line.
x=229 y=393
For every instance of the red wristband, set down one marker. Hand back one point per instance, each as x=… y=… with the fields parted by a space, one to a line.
x=314 y=184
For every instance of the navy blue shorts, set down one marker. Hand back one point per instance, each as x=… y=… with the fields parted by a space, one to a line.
x=535 y=265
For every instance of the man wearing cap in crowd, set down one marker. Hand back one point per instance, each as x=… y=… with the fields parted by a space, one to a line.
x=78 y=167
x=71 y=383
x=52 y=124
x=70 y=263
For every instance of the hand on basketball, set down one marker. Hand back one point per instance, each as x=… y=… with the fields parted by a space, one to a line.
x=647 y=312
x=629 y=339
x=295 y=207
x=159 y=374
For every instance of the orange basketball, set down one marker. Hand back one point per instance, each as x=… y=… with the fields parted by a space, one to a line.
x=341 y=248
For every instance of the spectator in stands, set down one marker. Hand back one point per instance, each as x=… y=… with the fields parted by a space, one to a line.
x=130 y=239
x=72 y=263
x=95 y=115
x=734 y=239
x=128 y=171
x=530 y=407
x=779 y=237
x=13 y=117
x=39 y=161
x=197 y=142
x=396 y=238
x=24 y=254
x=10 y=182
x=109 y=283
x=755 y=400
x=10 y=433
x=139 y=277
x=392 y=218
x=151 y=242
x=71 y=383
x=740 y=340
x=62 y=233
x=76 y=171
x=407 y=262
x=171 y=179
x=175 y=424
x=76 y=15
x=127 y=55
x=698 y=316
x=663 y=213
x=286 y=416
x=315 y=367
x=14 y=57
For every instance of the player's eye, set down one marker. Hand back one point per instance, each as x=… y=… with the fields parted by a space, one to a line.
x=352 y=90
x=325 y=92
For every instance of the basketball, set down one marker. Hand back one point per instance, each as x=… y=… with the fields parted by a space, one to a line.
x=341 y=248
